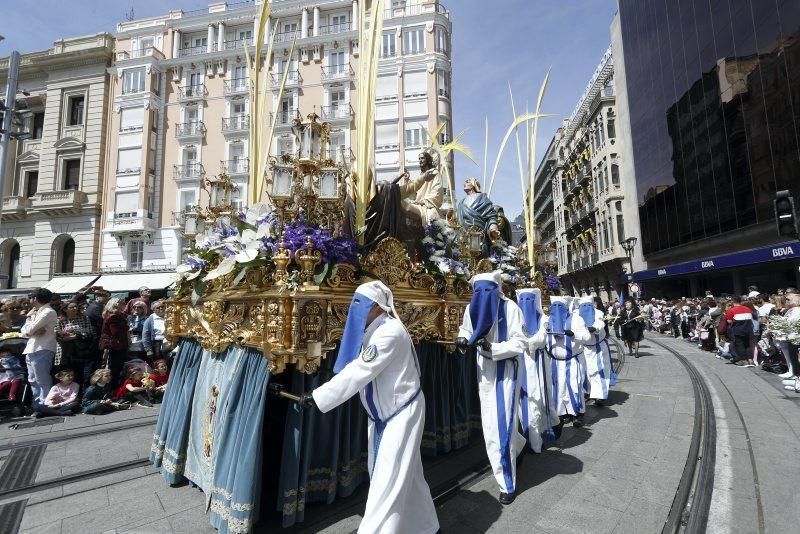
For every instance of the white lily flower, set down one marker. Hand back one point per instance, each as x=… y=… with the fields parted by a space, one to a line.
x=226 y=266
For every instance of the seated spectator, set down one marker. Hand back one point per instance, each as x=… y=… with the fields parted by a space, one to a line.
x=97 y=399
x=133 y=390
x=12 y=377
x=159 y=377
x=63 y=397
x=135 y=327
x=723 y=350
x=76 y=337
x=153 y=339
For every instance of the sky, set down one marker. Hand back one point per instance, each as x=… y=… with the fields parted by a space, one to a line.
x=512 y=42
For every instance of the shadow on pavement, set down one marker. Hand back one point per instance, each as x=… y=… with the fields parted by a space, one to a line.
x=537 y=469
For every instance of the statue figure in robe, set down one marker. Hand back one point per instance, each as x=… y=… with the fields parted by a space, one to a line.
x=476 y=209
x=403 y=207
x=503 y=225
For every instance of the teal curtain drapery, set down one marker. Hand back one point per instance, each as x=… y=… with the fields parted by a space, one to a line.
x=168 y=448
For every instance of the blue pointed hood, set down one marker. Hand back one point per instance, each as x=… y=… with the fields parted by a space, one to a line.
x=586 y=311
x=559 y=314
x=530 y=302
x=484 y=305
x=365 y=296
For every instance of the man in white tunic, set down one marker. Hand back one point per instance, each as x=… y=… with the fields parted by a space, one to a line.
x=540 y=422
x=493 y=324
x=596 y=353
x=562 y=335
x=377 y=359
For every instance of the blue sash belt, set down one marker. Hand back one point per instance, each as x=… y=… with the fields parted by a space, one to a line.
x=380 y=424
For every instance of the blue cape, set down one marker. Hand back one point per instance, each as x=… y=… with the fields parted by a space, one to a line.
x=559 y=313
x=529 y=303
x=483 y=308
x=354 y=328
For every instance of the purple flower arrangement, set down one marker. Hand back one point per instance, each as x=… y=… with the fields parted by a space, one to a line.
x=334 y=249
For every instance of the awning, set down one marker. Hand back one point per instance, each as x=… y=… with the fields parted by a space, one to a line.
x=70 y=284
x=780 y=252
x=133 y=281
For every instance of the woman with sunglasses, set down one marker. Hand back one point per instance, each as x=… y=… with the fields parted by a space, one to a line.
x=14 y=315
x=153 y=339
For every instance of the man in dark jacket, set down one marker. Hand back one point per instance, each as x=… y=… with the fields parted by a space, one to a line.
x=95 y=310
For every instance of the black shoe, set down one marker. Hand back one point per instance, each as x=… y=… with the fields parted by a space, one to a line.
x=506 y=498
x=557 y=429
x=598 y=403
x=577 y=422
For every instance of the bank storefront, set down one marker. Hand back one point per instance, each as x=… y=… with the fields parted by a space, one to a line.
x=769 y=268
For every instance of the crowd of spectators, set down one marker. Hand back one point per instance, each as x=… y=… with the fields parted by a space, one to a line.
x=752 y=330
x=80 y=356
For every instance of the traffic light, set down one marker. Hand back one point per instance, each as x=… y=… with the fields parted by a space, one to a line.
x=785 y=215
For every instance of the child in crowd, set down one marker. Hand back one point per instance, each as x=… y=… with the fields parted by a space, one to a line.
x=159 y=377
x=63 y=397
x=133 y=390
x=723 y=350
x=12 y=377
x=96 y=399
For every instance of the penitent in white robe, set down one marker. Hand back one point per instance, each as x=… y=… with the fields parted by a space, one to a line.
x=567 y=365
x=498 y=387
x=388 y=377
x=598 y=360
x=534 y=414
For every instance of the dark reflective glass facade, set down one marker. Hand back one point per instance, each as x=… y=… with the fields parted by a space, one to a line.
x=714 y=97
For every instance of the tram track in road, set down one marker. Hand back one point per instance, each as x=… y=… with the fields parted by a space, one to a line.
x=690 y=507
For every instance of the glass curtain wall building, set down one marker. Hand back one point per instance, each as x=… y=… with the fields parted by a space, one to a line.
x=714 y=104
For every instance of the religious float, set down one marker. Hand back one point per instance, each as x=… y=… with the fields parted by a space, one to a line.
x=262 y=300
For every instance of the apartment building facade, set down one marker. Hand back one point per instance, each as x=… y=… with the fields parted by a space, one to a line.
x=54 y=180
x=181 y=111
x=589 y=192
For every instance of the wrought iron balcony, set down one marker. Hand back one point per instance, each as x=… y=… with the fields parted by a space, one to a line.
x=286 y=37
x=190 y=130
x=338 y=111
x=235 y=86
x=196 y=50
x=192 y=92
x=140 y=52
x=285 y=118
x=190 y=171
x=292 y=79
x=236 y=44
x=237 y=123
x=235 y=166
x=415 y=9
x=337 y=72
x=335 y=28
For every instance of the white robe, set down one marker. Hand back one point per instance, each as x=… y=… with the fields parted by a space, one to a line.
x=388 y=377
x=498 y=387
x=568 y=374
x=536 y=398
x=598 y=360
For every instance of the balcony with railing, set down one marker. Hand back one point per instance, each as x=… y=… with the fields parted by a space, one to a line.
x=64 y=202
x=236 y=44
x=233 y=167
x=236 y=124
x=196 y=50
x=235 y=86
x=292 y=79
x=147 y=51
x=286 y=37
x=338 y=111
x=285 y=118
x=415 y=9
x=129 y=224
x=336 y=28
x=340 y=72
x=192 y=92
x=189 y=171
x=190 y=131
x=15 y=208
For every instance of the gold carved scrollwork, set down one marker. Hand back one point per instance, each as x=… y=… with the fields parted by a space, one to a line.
x=390 y=263
x=421 y=321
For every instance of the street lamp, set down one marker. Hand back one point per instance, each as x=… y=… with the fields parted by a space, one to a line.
x=627 y=246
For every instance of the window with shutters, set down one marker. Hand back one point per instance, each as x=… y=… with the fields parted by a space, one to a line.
x=126 y=204
x=72 y=174
x=133 y=81
x=135 y=254
x=386 y=88
x=31 y=183
x=129 y=160
x=389 y=45
x=76 y=106
x=386 y=137
x=131 y=119
x=415 y=135
x=415 y=84
x=413 y=41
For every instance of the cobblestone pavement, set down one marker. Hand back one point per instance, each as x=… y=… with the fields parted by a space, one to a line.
x=617 y=474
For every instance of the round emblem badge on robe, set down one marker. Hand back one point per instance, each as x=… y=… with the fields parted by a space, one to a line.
x=369 y=354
